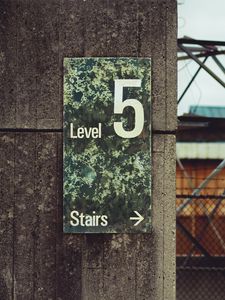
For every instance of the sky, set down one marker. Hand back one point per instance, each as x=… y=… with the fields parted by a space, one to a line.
x=201 y=19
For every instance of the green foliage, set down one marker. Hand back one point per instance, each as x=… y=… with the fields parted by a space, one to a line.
x=110 y=175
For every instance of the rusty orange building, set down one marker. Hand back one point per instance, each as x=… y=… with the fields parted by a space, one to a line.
x=200 y=186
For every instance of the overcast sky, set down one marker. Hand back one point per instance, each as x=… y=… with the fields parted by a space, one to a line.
x=201 y=19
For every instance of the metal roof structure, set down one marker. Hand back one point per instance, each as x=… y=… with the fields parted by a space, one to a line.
x=211 y=150
x=193 y=129
x=208 y=111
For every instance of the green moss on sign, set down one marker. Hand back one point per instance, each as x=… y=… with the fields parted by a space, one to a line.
x=106 y=174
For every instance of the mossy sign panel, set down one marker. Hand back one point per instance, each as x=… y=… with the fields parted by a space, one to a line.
x=107 y=145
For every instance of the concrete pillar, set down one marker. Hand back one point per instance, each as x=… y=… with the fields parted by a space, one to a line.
x=37 y=260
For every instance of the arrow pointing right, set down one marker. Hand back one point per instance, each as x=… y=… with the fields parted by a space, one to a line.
x=139 y=218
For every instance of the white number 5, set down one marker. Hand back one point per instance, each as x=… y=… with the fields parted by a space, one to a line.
x=119 y=106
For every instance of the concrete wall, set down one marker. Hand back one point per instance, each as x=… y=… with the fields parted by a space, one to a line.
x=37 y=260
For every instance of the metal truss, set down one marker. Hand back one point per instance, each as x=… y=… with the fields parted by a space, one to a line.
x=195 y=49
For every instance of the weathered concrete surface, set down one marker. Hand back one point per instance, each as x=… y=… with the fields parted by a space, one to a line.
x=37 y=260
x=36 y=35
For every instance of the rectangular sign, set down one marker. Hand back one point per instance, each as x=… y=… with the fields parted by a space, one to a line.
x=107 y=145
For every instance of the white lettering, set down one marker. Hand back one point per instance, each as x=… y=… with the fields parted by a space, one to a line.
x=80 y=219
x=73 y=215
x=84 y=132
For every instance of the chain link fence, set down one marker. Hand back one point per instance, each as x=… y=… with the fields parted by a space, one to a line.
x=200 y=230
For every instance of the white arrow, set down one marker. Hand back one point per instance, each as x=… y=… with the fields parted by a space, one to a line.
x=139 y=218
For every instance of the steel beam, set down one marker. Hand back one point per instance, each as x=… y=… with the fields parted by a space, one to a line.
x=219 y=64
x=193 y=78
x=192 y=239
x=205 y=54
x=200 y=42
x=202 y=185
